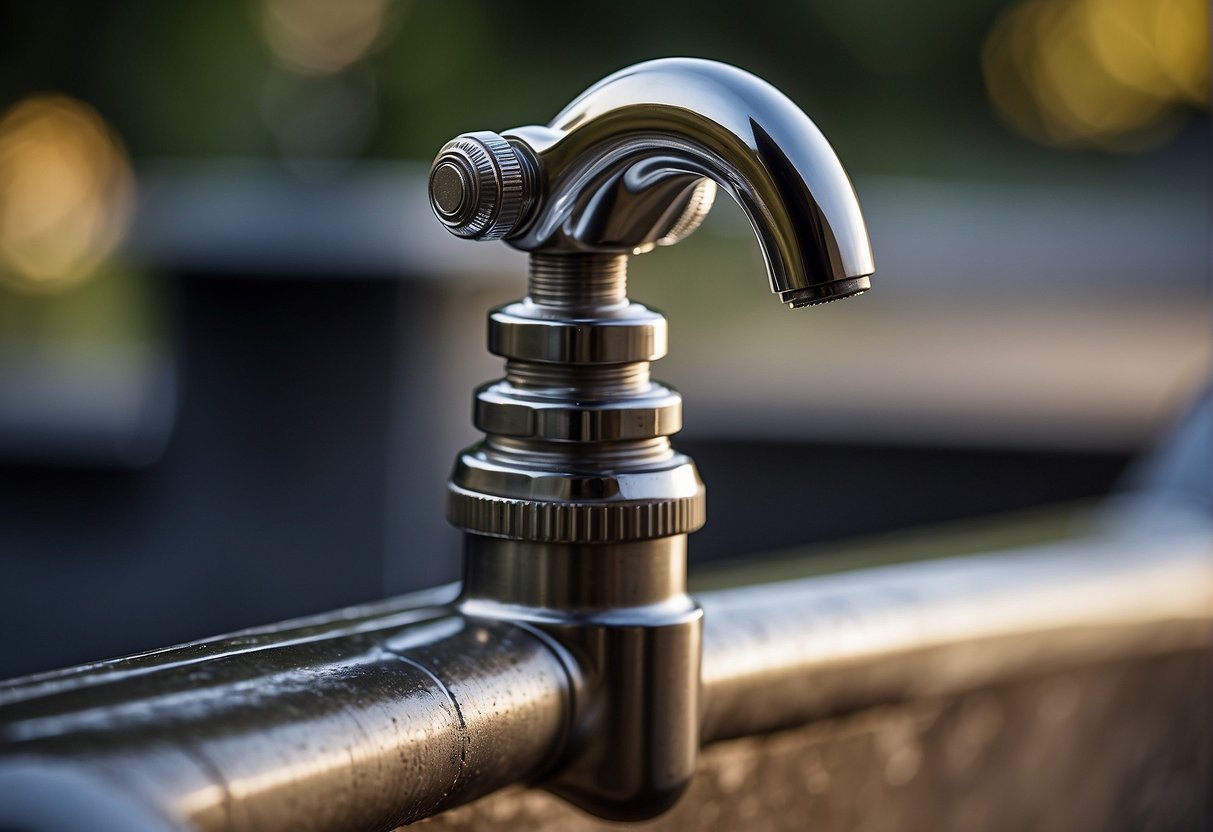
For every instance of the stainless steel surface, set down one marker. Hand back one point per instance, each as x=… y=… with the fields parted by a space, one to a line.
x=372 y=716
x=554 y=582
x=575 y=490
x=622 y=613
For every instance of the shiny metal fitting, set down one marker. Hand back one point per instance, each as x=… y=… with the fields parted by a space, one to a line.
x=576 y=507
x=527 y=331
x=480 y=186
x=656 y=500
x=504 y=409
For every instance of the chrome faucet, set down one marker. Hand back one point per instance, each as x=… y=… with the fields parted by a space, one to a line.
x=576 y=507
x=571 y=656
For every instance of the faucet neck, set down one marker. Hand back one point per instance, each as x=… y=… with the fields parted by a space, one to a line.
x=583 y=287
x=556 y=581
x=576 y=447
x=583 y=281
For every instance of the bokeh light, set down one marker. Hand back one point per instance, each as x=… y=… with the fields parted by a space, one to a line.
x=1112 y=74
x=66 y=192
x=319 y=37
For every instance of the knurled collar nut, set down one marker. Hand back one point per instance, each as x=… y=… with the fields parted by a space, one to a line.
x=480 y=186
x=491 y=497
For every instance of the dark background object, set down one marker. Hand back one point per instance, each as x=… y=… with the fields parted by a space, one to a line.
x=268 y=501
x=767 y=495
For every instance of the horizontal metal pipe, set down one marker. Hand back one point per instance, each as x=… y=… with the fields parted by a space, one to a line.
x=790 y=653
x=364 y=721
x=378 y=715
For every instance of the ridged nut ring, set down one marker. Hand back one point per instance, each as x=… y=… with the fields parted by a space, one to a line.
x=544 y=522
x=479 y=186
x=491 y=494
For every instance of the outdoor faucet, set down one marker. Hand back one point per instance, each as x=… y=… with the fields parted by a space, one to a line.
x=575 y=506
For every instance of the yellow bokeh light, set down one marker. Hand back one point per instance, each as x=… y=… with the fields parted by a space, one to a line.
x=1181 y=39
x=1104 y=73
x=66 y=191
x=320 y=37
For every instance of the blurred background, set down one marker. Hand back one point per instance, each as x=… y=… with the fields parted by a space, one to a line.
x=237 y=352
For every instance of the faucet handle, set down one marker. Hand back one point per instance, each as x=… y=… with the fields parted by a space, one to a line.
x=481 y=186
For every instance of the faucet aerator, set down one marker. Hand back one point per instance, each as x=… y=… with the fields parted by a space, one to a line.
x=827 y=292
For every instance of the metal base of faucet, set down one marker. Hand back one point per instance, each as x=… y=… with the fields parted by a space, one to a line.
x=577 y=511
x=631 y=639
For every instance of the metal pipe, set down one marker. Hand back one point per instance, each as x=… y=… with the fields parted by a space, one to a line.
x=368 y=720
x=379 y=715
x=791 y=653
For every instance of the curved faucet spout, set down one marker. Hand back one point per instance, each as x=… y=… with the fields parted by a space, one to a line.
x=623 y=168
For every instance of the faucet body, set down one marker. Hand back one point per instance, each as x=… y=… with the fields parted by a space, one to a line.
x=577 y=511
x=575 y=505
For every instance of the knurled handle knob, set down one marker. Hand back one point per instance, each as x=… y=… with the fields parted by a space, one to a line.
x=480 y=186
